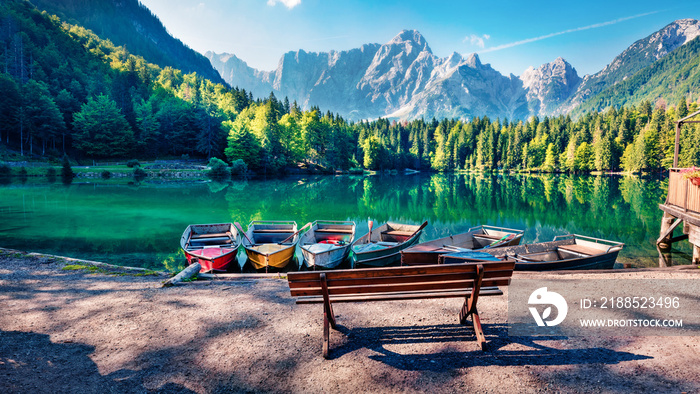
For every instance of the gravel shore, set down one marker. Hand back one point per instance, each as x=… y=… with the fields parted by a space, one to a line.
x=77 y=331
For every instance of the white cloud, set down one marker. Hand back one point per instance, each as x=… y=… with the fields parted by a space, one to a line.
x=479 y=41
x=287 y=3
x=594 y=26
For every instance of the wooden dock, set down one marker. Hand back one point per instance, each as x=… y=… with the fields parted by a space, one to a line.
x=682 y=204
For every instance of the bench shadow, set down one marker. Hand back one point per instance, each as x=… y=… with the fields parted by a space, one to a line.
x=377 y=338
x=31 y=363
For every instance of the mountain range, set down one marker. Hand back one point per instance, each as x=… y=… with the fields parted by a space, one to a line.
x=403 y=79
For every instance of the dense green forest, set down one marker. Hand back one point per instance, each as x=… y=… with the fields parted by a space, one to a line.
x=65 y=91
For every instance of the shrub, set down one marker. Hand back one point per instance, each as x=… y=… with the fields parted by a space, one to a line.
x=67 y=173
x=5 y=171
x=218 y=169
x=239 y=167
x=133 y=163
x=139 y=173
x=106 y=174
x=23 y=172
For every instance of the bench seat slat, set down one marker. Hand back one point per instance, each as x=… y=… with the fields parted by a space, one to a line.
x=397 y=279
x=333 y=230
x=398 y=296
x=407 y=287
x=401 y=271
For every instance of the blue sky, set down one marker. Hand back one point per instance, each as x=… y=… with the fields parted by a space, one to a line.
x=510 y=35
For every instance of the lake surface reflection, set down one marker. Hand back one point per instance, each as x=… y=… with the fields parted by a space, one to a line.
x=140 y=225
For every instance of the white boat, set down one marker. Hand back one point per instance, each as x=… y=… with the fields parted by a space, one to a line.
x=327 y=243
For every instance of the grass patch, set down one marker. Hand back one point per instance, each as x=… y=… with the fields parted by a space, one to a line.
x=79 y=267
x=99 y=270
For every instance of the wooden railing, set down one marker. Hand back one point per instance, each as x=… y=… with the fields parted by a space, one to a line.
x=682 y=193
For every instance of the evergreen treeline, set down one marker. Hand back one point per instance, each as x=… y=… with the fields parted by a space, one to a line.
x=66 y=91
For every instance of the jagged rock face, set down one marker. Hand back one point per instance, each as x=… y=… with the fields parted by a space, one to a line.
x=549 y=86
x=639 y=55
x=466 y=89
x=403 y=79
x=237 y=73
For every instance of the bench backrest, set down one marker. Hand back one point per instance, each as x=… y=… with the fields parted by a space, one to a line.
x=398 y=279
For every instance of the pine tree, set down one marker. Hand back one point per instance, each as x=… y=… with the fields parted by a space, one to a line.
x=101 y=130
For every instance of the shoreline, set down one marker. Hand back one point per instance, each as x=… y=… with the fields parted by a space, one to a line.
x=4 y=252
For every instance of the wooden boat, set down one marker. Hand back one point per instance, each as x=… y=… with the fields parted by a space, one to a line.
x=476 y=238
x=215 y=246
x=327 y=243
x=383 y=245
x=268 y=243
x=565 y=252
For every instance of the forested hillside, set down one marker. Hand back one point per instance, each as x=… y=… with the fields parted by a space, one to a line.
x=130 y=24
x=66 y=91
x=674 y=76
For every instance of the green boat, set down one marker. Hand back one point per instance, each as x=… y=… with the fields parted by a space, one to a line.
x=382 y=246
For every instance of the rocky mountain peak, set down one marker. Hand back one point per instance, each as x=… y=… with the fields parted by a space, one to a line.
x=550 y=84
x=473 y=60
x=411 y=40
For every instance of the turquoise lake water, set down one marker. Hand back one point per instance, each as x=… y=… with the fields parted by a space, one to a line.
x=141 y=225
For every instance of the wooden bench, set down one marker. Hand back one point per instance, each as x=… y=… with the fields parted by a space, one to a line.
x=468 y=281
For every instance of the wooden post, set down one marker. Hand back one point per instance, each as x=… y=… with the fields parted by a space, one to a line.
x=666 y=223
x=694 y=238
x=191 y=271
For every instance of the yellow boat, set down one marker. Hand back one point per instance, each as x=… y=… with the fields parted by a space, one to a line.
x=270 y=243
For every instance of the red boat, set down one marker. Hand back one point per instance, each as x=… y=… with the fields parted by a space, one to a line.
x=215 y=246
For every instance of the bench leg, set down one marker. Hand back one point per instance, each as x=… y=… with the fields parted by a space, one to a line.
x=469 y=308
x=326 y=335
x=328 y=316
x=480 y=339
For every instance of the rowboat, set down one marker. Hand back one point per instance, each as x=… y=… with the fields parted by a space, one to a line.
x=270 y=243
x=383 y=245
x=565 y=252
x=476 y=238
x=214 y=246
x=327 y=243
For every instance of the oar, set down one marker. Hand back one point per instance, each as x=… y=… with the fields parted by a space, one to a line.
x=422 y=226
x=496 y=242
x=369 y=232
x=292 y=236
x=240 y=228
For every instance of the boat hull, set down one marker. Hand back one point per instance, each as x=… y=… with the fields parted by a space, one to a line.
x=389 y=255
x=602 y=262
x=571 y=252
x=214 y=246
x=275 y=259
x=274 y=243
x=428 y=253
x=327 y=243
x=222 y=260
x=327 y=260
